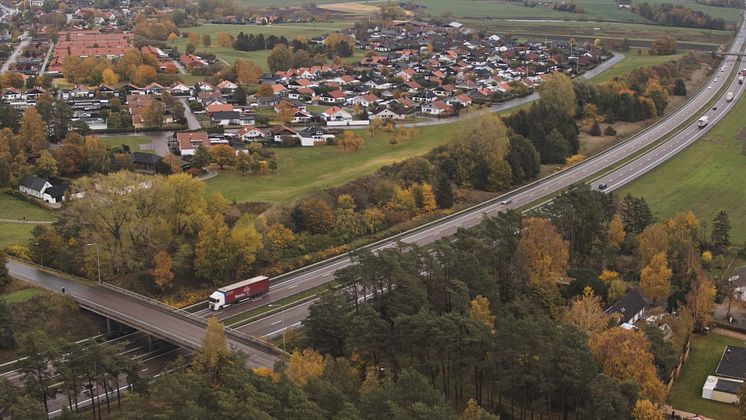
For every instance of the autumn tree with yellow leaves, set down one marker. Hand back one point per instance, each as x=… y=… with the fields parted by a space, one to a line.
x=655 y=279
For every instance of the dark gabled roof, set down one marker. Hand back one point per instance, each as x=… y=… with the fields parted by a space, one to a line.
x=145 y=158
x=313 y=130
x=628 y=306
x=32 y=182
x=225 y=115
x=732 y=363
x=57 y=191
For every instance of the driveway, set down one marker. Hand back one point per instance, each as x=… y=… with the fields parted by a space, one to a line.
x=192 y=122
x=25 y=40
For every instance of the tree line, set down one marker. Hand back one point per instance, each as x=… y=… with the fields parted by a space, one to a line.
x=669 y=15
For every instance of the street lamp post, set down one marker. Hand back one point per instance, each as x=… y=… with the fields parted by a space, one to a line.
x=282 y=314
x=98 y=260
x=41 y=255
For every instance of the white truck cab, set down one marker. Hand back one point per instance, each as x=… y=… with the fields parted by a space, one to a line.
x=216 y=301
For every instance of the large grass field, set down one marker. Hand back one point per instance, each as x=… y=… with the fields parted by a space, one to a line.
x=15 y=234
x=706 y=177
x=316 y=168
x=687 y=391
x=632 y=61
x=603 y=30
x=290 y=31
x=134 y=142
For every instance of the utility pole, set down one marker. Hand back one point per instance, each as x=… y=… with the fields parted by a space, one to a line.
x=98 y=260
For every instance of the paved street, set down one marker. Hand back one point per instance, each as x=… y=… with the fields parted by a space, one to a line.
x=25 y=40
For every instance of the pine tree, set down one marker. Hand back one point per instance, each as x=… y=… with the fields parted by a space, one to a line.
x=443 y=192
x=721 y=230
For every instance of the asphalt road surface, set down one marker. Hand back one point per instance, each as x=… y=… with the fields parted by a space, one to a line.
x=324 y=272
x=149 y=317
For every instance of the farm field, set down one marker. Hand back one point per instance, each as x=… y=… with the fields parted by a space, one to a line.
x=594 y=9
x=324 y=166
x=633 y=61
x=687 y=391
x=603 y=30
x=706 y=177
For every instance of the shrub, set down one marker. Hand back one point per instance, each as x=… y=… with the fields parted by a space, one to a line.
x=609 y=131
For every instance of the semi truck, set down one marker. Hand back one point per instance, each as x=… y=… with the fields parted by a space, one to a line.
x=236 y=292
x=740 y=80
x=703 y=121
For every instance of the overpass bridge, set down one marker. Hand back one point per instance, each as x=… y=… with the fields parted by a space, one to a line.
x=152 y=317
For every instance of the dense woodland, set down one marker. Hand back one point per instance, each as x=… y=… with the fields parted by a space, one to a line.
x=670 y=15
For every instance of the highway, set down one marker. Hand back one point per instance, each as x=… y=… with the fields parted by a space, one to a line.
x=324 y=272
x=177 y=325
x=142 y=315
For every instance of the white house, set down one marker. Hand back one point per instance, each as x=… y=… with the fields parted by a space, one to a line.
x=310 y=135
x=188 y=142
x=336 y=114
x=436 y=108
x=251 y=133
x=387 y=114
x=33 y=186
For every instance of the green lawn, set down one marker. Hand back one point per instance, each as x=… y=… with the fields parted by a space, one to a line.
x=15 y=208
x=632 y=61
x=133 y=142
x=316 y=168
x=687 y=391
x=706 y=177
x=15 y=234
x=290 y=31
x=20 y=295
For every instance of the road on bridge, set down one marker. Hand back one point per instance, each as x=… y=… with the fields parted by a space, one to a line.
x=151 y=319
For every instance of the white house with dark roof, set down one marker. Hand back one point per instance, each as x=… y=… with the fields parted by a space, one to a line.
x=630 y=308
x=33 y=186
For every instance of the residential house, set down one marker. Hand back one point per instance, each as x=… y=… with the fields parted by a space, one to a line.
x=188 y=142
x=729 y=376
x=250 y=133
x=630 y=308
x=437 y=108
x=387 y=114
x=33 y=185
x=333 y=97
x=337 y=115
x=180 y=89
x=145 y=162
x=227 y=88
x=225 y=118
x=285 y=135
x=310 y=136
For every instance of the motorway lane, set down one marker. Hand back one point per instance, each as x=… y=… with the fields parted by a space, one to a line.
x=647 y=162
x=144 y=312
x=538 y=190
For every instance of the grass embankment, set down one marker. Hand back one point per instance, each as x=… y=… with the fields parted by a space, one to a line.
x=135 y=143
x=632 y=61
x=20 y=295
x=16 y=209
x=316 y=168
x=687 y=392
x=706 y=177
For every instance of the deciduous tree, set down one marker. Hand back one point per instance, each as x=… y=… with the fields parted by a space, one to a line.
x=701 y=301
x=33 y=132
x=479 y=310
x=557 y=93
x=652 y=241
x=152 y=114
x=304 y=365
x=616 y=232
x=655 y=279
x=223 y=155
x=163 y=269
x=214 y=349
x=646 y=410
x=46 y=165
x=586 y=314
x=624 y=354
x=542 y=252
x=280 y=58
x=110 y=78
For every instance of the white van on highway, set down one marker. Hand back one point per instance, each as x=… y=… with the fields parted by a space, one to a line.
x=729 y=96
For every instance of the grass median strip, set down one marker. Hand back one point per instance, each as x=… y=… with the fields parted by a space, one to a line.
x=277 y=306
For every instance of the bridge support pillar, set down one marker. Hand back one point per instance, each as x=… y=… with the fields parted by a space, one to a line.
x=150 y=342
x=108 y=325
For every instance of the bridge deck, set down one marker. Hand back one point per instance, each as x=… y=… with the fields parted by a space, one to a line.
x=157 y=321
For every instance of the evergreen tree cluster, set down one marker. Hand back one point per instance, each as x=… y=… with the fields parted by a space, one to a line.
x=259 y=42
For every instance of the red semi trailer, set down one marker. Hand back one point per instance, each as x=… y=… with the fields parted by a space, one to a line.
x=236 y=292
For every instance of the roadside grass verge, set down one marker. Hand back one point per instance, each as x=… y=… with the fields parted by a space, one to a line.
x=21 y=295
x=687 y=391
x=706 y=177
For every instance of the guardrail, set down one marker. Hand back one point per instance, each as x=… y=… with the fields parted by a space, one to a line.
x=233 y=333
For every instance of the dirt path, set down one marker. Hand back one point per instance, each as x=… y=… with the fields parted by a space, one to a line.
x=27 y=222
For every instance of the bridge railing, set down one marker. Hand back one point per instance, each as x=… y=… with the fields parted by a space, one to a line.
x=235 y=334
x=137 y=323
